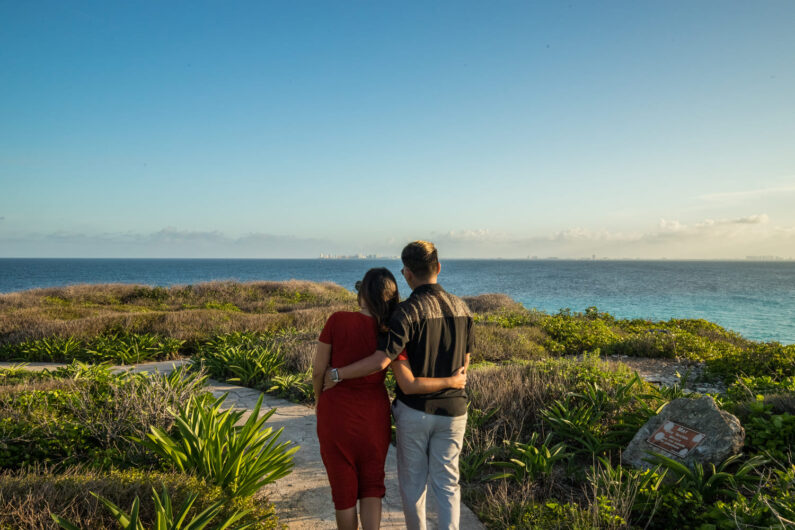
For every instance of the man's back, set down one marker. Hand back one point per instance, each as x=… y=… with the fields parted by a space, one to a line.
x=435 y=329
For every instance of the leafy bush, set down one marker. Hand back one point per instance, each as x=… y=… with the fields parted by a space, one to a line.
x=255 y=360
x=165 y=517
x=770 y=506
x=29 y=497
x=709 y=482
x=86 y=414
x=112 y=346
x=530 y=461
x=750 y=387
x=769 y=433
x=572 y=334
x=239 y=458
x=755 y=360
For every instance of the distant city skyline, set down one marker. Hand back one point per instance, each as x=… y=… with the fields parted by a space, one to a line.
x=497 y=130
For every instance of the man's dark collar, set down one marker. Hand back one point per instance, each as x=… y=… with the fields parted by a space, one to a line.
x=427 y=288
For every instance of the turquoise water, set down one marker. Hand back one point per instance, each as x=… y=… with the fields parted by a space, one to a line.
x=753 y=298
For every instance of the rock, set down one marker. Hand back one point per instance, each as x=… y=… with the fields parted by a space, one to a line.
x=687 y=430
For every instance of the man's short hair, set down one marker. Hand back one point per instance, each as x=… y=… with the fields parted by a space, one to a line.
x=420 y=258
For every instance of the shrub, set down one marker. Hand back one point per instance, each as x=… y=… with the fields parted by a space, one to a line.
x=530 y=460
x=239 y=458
x=256 y=360
x=117 y=347
x=86 y=414
x=495 y=343
x=165 y=516
x=27 y=498
x=573 y=334
x=489 y=303
x=769 y=433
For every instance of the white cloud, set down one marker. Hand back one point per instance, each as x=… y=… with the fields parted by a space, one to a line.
x=168 y=242
x=753 y=219
x=731 y=238
x=481 y=234
x=738 y=196
x=672 y=226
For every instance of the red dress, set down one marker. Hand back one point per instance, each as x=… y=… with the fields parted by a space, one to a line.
x=353 y=423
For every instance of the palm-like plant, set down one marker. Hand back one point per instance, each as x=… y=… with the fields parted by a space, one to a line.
x=710 y=482
x=577 y=423
x=530 y=461
x=242 y=363
x=209 y=443
x=165 y=517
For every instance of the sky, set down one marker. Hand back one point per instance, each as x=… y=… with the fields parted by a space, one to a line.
x=259 y=129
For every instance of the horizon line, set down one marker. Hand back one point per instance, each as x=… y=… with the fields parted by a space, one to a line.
x=752 y=259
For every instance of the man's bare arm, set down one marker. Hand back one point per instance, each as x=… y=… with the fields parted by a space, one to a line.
x=425 y=385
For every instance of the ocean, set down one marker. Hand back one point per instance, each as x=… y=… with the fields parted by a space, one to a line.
x=756 y=299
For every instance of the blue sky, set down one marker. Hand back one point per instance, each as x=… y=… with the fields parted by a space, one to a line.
x=496 y=129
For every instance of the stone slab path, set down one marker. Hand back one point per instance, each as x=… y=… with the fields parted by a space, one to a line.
x=302 y=498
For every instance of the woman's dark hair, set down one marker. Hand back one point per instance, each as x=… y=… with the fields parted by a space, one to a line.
x=379 y=291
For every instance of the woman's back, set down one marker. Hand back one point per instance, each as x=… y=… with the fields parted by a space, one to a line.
x=353 y=336
x=353 y=422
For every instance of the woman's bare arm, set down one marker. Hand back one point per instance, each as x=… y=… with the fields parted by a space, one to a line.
x=319 y=364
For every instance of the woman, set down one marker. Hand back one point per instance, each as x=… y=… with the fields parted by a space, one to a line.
x=353 y=423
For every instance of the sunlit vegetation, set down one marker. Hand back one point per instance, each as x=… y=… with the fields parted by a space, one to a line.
x=550 y=409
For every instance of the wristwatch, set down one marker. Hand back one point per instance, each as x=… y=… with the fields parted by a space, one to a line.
x=335 y=375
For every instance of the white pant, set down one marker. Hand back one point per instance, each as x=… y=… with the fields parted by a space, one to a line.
x=428 y=446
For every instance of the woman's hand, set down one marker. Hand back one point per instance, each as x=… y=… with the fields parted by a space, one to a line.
x=459 y=378
x=328 y=382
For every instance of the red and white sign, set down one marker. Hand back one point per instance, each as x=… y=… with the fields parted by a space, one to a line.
x=675 y=439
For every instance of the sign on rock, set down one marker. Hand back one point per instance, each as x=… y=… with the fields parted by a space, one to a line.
x=675 y=439
x=673 y=433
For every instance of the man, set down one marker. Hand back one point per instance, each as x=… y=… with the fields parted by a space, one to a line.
x=435 y=330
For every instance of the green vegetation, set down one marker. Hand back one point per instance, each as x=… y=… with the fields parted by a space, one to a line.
x=80 y=430
x=115 y=347
x=548 y=414
x=32 y=496
x=209 y=443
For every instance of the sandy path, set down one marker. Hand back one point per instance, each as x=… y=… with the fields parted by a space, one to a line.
x=303 y=498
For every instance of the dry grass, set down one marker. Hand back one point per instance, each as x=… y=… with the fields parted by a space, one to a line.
x=28 y=497
x=493 y=302
x=299 y=350
x=190 y=313
x=518 y=391
x=494 y=343
x=32 y=385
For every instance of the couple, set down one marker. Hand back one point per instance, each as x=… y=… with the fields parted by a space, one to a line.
x=427 y=340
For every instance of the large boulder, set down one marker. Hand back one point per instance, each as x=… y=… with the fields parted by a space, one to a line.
x=688 y=431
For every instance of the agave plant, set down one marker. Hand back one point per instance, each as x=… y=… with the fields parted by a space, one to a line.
x=53 y=349
x=15 y=370
x=709 y=481
x=577 y=423
x=126 y=348
x=284 y=385
x=165 y=517
x=239 y=458
x=248 y=365
x=529 y=461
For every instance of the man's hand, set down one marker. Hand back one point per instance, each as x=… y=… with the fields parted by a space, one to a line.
x=327 y=382
x=459 y=378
